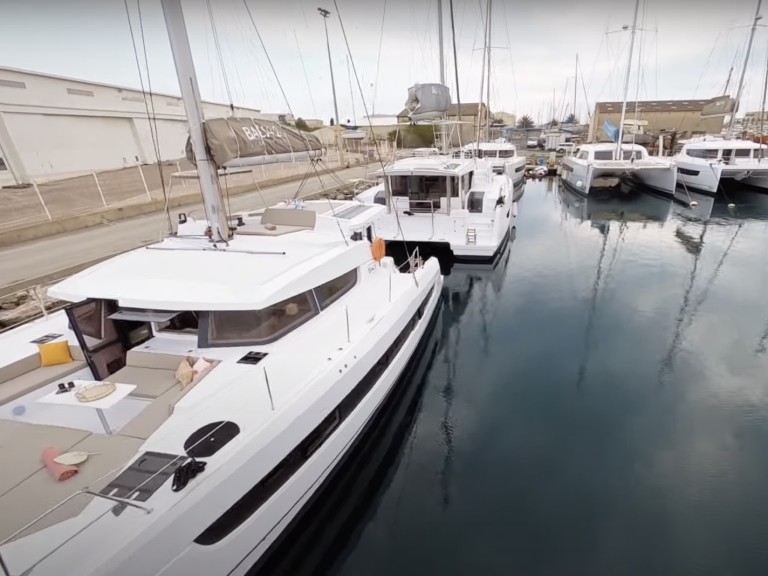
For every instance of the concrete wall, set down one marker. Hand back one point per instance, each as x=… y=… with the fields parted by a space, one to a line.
x=686 y=123
x=53 y=127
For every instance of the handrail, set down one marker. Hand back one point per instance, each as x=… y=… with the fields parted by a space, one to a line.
x=118 y=501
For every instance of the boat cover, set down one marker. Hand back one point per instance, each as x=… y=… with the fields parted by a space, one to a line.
x=427 y=101
x=248 y=141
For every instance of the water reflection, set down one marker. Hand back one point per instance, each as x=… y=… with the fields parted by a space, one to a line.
x=466 y=281
x=511 y=468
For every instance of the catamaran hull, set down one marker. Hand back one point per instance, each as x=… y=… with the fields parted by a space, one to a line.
x=585 y=179
x=709 y=178
x=238 y=552
x=315 y=537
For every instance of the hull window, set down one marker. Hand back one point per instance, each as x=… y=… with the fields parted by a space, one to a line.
x=246 y=506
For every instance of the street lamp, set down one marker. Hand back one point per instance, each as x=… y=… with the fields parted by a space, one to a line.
x=325 y=13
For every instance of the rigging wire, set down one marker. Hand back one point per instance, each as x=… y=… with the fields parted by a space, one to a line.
x=378 y=58
x=306 y=77
x=375 y=141
x=220 y=55
x=152 y=115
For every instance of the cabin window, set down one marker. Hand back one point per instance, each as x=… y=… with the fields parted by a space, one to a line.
x=263 y=490
x=506 y=153
x=583 y=155
x=631 y=154
x=475 y=201
x=331 y=291
x=604 y=155
x=398 y=185
x=380 y=197
x=701 y=153
x=466 y=182
x=184 y=323
x=743 y=152
x=249 y=327
x=2 y=165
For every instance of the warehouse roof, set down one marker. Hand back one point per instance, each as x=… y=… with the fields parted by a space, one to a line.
x=654 y=106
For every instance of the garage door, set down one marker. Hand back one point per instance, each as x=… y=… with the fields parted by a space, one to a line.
x=58 y=146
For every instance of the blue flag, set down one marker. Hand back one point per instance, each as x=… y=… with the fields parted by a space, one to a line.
x=611 y=131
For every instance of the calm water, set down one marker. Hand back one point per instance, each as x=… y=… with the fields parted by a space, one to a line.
x=597 y=403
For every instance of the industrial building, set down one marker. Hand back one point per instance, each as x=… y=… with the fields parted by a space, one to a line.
x=686 y=117
x=53 y=127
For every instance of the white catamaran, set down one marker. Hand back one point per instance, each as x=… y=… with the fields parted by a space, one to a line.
x=604 y=166
x=242 y=361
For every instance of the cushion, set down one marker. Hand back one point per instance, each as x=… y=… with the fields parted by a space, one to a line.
x=40 y=492
x=19 y=367
x=184 y=373
x=150 y=382
x=21 y=444
x=150 y=419
x=201 y=365
x=154 y=360
x=54 y=353
x=17 y=387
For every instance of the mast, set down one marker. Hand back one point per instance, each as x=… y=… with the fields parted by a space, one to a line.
x=190 y=94
x=626 y=82
x=325 y=13
x=442 y=67
x=440 y=40
x=482 y=75
x=488 y=79
x=575 y=84
x=744 y=69
x=455 y=68
x=762 y=109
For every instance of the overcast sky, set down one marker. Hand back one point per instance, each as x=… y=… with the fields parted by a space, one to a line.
x=685 y=50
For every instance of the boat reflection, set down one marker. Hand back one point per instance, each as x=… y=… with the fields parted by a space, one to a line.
x=735 y=204
x=633 y=206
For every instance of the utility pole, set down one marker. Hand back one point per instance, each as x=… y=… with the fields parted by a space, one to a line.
x=325 y=13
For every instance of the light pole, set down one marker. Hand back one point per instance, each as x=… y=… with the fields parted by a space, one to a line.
x=325 y=13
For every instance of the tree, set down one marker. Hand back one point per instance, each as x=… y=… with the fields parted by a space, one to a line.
x=301 y=124
x=571 y=119
x=525 y=122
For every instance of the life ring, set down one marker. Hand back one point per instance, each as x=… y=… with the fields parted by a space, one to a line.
x=378 y=248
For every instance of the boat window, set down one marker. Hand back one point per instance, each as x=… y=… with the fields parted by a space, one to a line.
x=603 y=154
x=466 y=182
x=702 y=153
x=475 y=201
x=583 y=155
x=631 y=154
x=398 y=185
x=331 y=291
x=743 y=152
x=185 y=323
x=249 y=503
x=506 y=153
x=249 y=327
x=380 y=197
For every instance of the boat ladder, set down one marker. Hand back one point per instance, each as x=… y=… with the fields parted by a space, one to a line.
x=471 y=236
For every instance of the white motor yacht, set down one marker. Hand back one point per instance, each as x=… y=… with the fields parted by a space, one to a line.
x=703 y=164
x=602 y=166
x=203 y=390
x=465 y=204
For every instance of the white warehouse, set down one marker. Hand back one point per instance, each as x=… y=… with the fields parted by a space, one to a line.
x=53 y=127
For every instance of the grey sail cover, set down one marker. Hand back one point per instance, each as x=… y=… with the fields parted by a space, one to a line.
x=234 y=142
x=427 y=101
x=719 y=106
